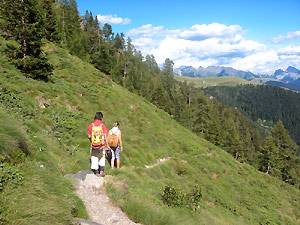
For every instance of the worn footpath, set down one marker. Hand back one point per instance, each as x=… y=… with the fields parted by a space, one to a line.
x=90 y=188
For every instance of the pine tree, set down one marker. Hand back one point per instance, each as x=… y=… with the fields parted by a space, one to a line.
x=71 y=28
x=25 y=23
x=51 y=32
x=119 y=42
x=279 y=154
x=271 y=163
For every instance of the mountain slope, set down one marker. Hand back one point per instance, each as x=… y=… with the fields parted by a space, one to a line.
x=263 y=102
x=213 y=81
x=54 y=117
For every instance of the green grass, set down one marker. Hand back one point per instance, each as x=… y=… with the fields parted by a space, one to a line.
x=214 y=81
x=232 y=193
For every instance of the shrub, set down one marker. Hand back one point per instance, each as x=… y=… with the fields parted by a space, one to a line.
x=181 y=169
x=194 y=198
x=173 y=197
x=11 y=174
x=177 y=198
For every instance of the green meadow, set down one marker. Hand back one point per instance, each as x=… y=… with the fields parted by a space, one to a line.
x=214 y=81
x=43 y=137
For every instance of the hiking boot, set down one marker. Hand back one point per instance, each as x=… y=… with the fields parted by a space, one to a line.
x=102 y=174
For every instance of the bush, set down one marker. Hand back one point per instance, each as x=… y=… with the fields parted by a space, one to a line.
x=17 y=104
x=173 y=197
x=10 y=174
x=181 y=169
x=194 y=198
x=178 y=198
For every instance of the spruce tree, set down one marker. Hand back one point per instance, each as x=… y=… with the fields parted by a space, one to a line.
x=71 y=28
x=271 y=163
x=280 y=154
x=25 y=23
x=51 y=29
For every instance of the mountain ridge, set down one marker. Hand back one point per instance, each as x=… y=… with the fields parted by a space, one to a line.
x=288 y=78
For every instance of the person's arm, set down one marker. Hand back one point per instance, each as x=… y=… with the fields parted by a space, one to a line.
x=120 y=141
x=90 y=133
x=106 y=140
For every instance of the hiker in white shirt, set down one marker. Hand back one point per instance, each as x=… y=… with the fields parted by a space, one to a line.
x=115 y=140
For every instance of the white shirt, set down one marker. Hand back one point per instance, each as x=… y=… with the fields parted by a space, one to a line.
x=114 y=130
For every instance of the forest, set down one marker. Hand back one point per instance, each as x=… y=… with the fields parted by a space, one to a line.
x=30 y=24
x=263 y=103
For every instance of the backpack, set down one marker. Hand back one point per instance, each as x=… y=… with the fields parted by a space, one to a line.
x=113 y=140
x=97 y=136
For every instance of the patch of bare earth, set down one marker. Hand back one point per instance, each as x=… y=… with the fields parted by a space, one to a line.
x=90 y=188
x=210 y=203
x=159 y=161
x=214 y=176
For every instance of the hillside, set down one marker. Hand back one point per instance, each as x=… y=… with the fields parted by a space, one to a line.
x=44 y=136
x=213 y=81
x=259 y=102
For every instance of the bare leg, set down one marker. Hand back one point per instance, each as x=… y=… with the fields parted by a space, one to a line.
x=112 y=163
x=118 y=163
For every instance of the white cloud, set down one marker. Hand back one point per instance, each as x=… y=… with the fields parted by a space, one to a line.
x=146 y=45
x=287 y=36
x=214 y=30
x=146 y=31
x=258 y=62
x=112 y=19
x=212 y=45
x=150 y=31
x=289 y=50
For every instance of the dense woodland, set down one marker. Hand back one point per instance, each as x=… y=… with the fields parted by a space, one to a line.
x=30 y=24
x=264 y=104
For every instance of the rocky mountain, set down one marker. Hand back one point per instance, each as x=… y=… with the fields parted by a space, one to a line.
x=290 y=78
x=214 y=71
x=290 y=74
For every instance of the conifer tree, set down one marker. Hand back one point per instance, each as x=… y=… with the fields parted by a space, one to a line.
x=119 y=42
x=279 y=154
x=71 y=32
x=25 y=23
x=51 y=32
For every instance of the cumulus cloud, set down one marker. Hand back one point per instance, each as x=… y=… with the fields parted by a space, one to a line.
x=214 y=30
x=258 y=62
x=211 y=45
x=150 y=31
x=112 y=19
x=287 y=36
x=289 y=50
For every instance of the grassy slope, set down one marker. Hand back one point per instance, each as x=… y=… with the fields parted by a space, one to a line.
x=233 y=193
x=214 y=81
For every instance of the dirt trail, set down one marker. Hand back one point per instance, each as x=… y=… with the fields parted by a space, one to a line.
x=90 y=188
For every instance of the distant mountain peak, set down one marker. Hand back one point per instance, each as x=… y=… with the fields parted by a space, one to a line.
x=213 y=71
x=278 y=72
x=291 y=69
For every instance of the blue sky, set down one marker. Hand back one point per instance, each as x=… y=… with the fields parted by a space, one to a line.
x=257 y=36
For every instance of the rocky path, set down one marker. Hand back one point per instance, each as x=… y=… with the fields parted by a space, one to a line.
x=90 y=188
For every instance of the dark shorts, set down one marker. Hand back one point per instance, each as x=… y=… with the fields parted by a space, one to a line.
x=97 y=153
